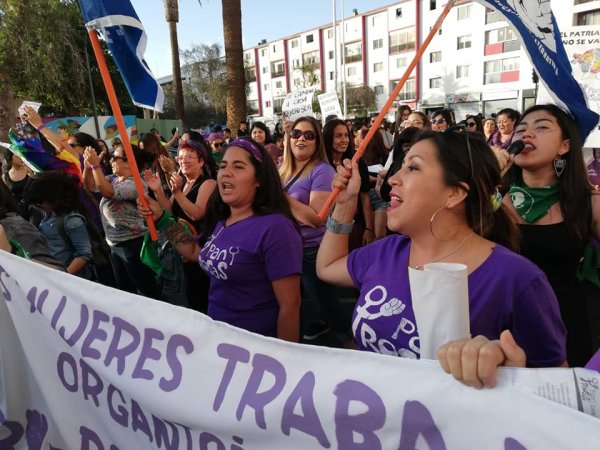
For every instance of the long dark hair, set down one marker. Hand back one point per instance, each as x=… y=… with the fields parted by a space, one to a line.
x=328 y=133
x=262 y=126
x=269 y=199
x=58 y=189
x=574 y=189
x=479 y=170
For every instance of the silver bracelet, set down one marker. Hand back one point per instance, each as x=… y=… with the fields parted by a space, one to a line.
x=337 y=227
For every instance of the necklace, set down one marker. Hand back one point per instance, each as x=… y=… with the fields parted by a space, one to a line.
x=457 y=248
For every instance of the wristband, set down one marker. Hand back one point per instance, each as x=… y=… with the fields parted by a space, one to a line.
x=338 y=228
x=41 y=127
x=96 y=166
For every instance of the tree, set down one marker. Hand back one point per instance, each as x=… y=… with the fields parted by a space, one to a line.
x=310 y=74
x=172 y=17
x=206 y=69
x=234 y=63
x=360 y=99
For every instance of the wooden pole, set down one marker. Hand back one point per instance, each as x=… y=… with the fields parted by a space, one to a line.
x=116 y=110
x=375 y=127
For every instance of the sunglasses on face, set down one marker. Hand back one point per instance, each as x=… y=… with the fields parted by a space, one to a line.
x=438 y=120
x=115 y=157
x=309 y=135
x=218 y=144
x=471 y=124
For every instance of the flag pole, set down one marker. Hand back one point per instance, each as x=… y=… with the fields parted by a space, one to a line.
x=375 y=127
x=116 y=110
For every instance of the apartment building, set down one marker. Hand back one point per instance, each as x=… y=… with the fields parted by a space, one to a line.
x=475 y=62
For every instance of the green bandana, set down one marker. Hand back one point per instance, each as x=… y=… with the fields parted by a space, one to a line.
x=533 y=203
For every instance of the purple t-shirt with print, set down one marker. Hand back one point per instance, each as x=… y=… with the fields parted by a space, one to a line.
x=506 y=292
x=319 y=179
x=242 y=260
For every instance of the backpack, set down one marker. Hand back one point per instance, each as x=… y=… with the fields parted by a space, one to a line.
x=100 y=248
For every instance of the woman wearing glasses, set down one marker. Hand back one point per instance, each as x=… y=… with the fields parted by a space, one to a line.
x=306 y=176
x=191 y=189
x=442 y=120
x=251 y=248
x=123 y=227
x=417 y=119
x=444 y=204
x=558 y=213
x=217 y=145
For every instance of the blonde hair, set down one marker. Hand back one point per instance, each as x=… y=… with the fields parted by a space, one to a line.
x=289 y=164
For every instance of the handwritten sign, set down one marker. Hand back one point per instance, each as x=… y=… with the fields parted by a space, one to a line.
x=330 y=104
x=86 y=366
x=299 y=103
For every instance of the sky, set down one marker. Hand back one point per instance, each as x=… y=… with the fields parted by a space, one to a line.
x=261 y=19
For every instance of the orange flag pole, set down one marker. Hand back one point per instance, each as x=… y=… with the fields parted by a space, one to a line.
x=375 y=127
x=116 y=109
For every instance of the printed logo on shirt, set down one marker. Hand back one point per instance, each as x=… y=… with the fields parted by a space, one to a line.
x=377 y=306
x=216 y=260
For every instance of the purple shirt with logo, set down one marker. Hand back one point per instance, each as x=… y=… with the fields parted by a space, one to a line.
x=319 y=179
x=506 y=292
x=242 y=260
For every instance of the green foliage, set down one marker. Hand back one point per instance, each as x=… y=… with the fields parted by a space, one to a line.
x=360 y=99
x=42 y=46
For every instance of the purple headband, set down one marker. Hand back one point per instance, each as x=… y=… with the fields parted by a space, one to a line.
x=249 y=146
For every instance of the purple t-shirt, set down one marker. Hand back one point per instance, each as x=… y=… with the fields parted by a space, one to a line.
x=242 y=260
x=506 y=292
x=319 y=179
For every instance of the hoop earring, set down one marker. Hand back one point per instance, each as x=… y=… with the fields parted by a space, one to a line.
x=559 y=164
x=431 y=226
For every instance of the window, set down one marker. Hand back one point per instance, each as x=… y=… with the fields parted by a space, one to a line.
x=311 y=59
x=263 y=52
x=463 y=12
x=250 y=74
x=398 y=13
x=435 y=83
x=297 y=82
x=431 y=5
x=331 y=75
x=274 y=49
x=492 y=16
x=462 y=71
x=435 y=57
x=265 y=69
x=408 y=91
x=493 y=70
x=277 y=104
x=353 y=52
x=378 y=90
x=378 y=67
x=309 y=38
x=278 y=84
x=463 y=42
x=351 y=71
x=265 y=87
x=402 y=41
x=252 y=107
x=330 y=33
x=295 y=43
x=296 y=64
x=377 y=43
x=401 y=62
x=278 y=69
x=268 y=104
x=505 y=36
x=588 y=18
x=331 y=54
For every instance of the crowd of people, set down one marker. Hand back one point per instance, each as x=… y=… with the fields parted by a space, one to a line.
x=241 y=238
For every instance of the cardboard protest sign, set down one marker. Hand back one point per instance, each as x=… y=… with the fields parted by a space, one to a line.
x=299 y=103
x=330 y=104
x=86 y=366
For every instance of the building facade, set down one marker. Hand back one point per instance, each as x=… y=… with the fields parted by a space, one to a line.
x=474 y=64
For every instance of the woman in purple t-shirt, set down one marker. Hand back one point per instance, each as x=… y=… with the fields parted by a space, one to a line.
x=306 y=176
x=444 y=202
x=251 y=248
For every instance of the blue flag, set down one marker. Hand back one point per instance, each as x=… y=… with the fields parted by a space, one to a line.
x=537 y=28
x=126 y=39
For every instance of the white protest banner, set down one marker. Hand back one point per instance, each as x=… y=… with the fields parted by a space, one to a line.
x=582 y=45
x=330 y=105
x=299 y=103
x=85 y=366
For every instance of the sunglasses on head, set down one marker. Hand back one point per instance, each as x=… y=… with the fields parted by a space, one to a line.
x=309 y=135
x=438 y=120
